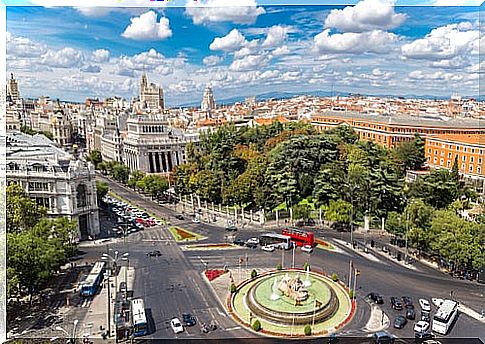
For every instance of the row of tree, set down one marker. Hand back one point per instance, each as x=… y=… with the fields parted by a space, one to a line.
x=37 y=246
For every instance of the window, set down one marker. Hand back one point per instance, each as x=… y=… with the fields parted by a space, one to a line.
x=471 y=168
x=464 y=149
x=435 y=160
x=449 y=155
x=479 y=160
x=463 y=158
x=471 y=159
x=448 y=163
x=441 y=162
x=435 y=152
x=479 y=170
x=463 y=167
x=38 y=186
x=81 y=196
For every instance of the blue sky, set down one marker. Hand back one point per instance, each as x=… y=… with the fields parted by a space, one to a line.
x=371 y=48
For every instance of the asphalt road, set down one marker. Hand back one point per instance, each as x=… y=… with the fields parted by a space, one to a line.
x=172 y=284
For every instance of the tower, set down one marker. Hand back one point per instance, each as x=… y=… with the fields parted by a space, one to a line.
x=13 y=89
x=208 y=102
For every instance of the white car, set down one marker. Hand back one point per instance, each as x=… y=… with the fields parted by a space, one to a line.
x=437 y=302
x=268 y=248
x=177 y=326
x=421 y=326
x=307 y=248
x=253 y=241
x=424 y=304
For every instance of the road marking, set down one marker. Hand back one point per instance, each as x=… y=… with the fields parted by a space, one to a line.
x=233 y=328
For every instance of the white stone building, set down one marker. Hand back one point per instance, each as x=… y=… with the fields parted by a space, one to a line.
x=208 y=102
x=54 y=179
x=151 y=95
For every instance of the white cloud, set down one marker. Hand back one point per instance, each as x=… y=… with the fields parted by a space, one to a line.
x=145 y=27
x=242 y=52
x=163 y=70
x=91 y=69
x=183 y=86
x=212 y=60
x=64 y=58
x=354 y=43
x=269 y=74
x=100 y=55
x=291 y=76
x=231 y=42
x=23 y=47
x=250 y=62
x=240 y=12
x=438 y=75
x=457 y=3
x=445 y=42
x=276 y=36
x=366 y=15
x=281 y=51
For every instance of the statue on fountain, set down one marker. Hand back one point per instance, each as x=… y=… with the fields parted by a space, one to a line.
x=294 y=289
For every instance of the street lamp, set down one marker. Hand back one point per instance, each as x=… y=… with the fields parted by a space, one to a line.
x=114 y=260
x=127 y=260
x=71 y=336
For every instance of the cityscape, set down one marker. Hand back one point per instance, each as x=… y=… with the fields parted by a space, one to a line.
x=247 y=172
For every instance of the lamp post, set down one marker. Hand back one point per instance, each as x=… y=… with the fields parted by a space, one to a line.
x=127 y=260
x=114 y=261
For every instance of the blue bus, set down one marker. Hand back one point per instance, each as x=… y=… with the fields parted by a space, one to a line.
x=140 y=327
x=90 y=285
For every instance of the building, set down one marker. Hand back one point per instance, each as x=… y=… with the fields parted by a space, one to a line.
x=389 y=131
x=152 y=146
x=13 y=89
x=54 y=179
x=151 y=95
x=208 y=102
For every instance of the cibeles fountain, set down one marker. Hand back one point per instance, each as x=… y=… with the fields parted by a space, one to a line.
x=291 y=297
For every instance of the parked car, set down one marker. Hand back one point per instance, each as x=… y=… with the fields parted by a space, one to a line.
x=231 y=228
x=425 y=316
x=383 y=337
x=179 y=217
x=396 y=304
x=340 y=227
x=425 y=305
x=376 y=298
x=176 y=325
x=251 y=245
x=189 y=319
x=268 y=248
x=400 y=322
x=307 y=248
x=421 y=326
x=408 y=302
x=410 y=313
x=196 y=220
x=154 y=253
x=421 y=337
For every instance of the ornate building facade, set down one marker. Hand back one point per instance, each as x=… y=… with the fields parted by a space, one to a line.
x=65 y=186
x=151 y=95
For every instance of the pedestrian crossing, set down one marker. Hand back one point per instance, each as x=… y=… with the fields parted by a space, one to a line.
x=84 y=302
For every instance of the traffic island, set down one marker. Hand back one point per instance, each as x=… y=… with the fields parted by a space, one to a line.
x=324 y=245
x=209 y=247
x=183 y=235
x=291 y=303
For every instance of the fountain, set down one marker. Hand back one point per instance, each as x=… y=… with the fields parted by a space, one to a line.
x=294 y=289
x=274 y=295
x=306 y=282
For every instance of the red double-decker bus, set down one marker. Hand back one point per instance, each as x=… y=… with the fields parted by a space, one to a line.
x=299 y=237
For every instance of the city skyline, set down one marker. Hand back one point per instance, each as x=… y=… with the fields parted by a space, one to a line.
x=244 y=51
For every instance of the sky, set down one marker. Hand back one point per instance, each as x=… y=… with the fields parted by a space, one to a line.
x=373 y=47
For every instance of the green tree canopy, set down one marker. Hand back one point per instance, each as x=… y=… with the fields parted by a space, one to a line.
x=22 y=212
x=95 y=157
x=102 y=189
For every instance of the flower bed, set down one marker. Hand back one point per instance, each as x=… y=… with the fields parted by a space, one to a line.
x=180 y=234
x=213 y=274
x=324 y=244
x=211 y=246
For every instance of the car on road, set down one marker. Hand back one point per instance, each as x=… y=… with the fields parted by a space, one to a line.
x=340 y=227
x=268 y=248
x=421 y=326
x=396 y=304
x=251 y=245
x=408 y=302
x=239 y=241
x=252 y=241
x=382 y=337
x=196 y=220
x=410 y=313
x=400 y=322
x=307 y=248
x=179 y=217
x=231 y=228
x=154 y=253
x=176 y=325
x=376 y=298
x=189 y=319
x=425 y=306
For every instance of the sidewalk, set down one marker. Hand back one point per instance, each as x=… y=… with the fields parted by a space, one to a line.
x=378 y=320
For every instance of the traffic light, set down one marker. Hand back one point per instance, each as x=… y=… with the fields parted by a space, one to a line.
x=357 y=273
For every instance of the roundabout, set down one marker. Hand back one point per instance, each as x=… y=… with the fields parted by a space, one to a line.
x=291 y=303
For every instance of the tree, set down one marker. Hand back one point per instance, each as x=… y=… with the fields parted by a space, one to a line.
x=154 y=185
x=411 y=153
x=338 y=211
x=329 y=181
x=102 y=189
x=47 y=134
x=438 y=189
x=256 y=325
x=182 y=175
x=395 y=223
x=120 y=173
x=344 y=134
x=207 y=186
x=95 y=157
x=27 y=130
x=22 y=212
x=301 y=211
x=307 y=330
x=135 y=177
x=455 y=172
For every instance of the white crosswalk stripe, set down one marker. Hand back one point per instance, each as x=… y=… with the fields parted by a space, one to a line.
x=86 y=303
